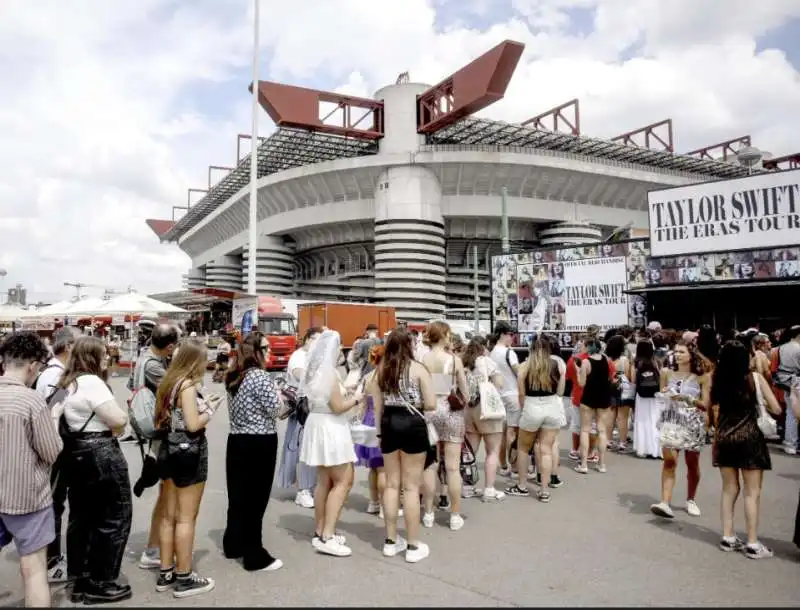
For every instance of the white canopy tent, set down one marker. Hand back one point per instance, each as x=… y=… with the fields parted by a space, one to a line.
x=11 y=313
x=135 y=303
x=85 y=307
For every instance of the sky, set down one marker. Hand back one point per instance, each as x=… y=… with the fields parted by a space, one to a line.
x=110 y=111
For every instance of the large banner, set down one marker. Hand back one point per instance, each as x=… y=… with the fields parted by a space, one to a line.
x=564 y=290
x=759 y=211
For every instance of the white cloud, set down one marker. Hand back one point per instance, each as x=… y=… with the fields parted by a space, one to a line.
x=112 y=110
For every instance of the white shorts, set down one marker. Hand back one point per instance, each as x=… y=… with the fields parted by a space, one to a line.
x=542 y=413
x=513 y=410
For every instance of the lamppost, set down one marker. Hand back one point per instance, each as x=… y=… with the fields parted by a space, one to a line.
x=253 y=227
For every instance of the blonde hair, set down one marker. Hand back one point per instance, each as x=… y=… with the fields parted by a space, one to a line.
x=189 y=364
x=539 y=375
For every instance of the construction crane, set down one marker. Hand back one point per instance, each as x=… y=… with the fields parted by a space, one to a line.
x=107 y=292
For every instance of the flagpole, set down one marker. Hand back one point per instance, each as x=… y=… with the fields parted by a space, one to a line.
x=252 y=250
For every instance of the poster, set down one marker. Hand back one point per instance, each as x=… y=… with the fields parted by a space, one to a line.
x=755 y=212
x=564 y=290
x=244 y=314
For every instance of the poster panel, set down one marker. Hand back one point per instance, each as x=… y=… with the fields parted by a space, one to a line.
x=594 y=293
x=755 y=212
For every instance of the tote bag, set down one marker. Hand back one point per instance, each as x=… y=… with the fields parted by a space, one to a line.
x=491 y=406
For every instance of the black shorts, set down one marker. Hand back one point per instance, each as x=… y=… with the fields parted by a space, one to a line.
x=184 y=468
x=222 y=359
x=403 y=430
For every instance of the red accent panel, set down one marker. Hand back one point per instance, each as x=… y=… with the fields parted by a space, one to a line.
x=727 y=149
x=557 y=114
x=299 y=107
x=785 y=162
x=651 y=137
x=160 y=227
x=473 y=88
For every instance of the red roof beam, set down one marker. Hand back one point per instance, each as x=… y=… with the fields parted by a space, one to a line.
x=472 y=88
x=786 y=162
x=652 y=138
x=303 y=108
x=160 y=227
x=558 y=117
x=218 y=168
x=729 y=148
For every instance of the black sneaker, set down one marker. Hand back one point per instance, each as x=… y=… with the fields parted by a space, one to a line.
x=444 y=503
x=166 y=580
x=105 y=593
x=555 y=481
x=516 y=490
x=731 y=544
x=191 y=585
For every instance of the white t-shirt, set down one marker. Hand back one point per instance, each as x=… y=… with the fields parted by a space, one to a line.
x=498 y=356
x=421 y=351
x=51 y=375
x=298 y=360
x=90 y=393
x=485 y=365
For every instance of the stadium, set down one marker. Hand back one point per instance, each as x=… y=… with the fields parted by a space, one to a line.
x=386 y=199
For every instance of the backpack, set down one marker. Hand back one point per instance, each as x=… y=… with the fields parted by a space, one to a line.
x=142 y=405
x=39 y=376
x=648 y=381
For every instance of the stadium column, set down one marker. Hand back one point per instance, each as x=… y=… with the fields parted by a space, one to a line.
x=410 y=243
x=224 y=273
x=274 y=267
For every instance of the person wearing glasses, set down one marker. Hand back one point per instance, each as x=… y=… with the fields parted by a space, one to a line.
x=29 y=446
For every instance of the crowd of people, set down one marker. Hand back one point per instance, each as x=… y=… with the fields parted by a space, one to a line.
x=412 y=409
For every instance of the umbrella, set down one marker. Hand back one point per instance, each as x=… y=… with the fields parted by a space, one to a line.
x=135 y=303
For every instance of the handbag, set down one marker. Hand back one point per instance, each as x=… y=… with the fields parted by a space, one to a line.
x=490 y=406
x=180 y=443
x=468 y=465
x=767 y=425
x=455 y=399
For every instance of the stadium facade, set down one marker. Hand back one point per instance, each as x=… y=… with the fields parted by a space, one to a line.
x=386 y=199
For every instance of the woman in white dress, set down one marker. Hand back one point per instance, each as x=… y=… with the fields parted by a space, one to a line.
x=647 y=377
x=327 y=441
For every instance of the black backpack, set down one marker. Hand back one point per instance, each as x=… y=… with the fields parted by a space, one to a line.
x=648 y=380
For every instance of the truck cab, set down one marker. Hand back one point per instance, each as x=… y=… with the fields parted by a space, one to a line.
x=280 y=330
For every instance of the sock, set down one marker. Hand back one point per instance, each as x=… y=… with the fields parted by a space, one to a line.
x=183 y=576
x=412 y=547
x=388 y=541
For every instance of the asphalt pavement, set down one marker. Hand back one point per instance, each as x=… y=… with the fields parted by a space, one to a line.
x=595 y=544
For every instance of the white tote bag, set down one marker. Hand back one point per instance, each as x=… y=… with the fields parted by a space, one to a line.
x=491 y=405
x=767 y=425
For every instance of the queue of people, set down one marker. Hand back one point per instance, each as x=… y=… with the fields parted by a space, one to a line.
x=428 y=402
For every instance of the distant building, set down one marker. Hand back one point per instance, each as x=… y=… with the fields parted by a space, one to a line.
x=17 y=296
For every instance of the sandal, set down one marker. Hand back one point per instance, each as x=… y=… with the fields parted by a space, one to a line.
x=543 y=496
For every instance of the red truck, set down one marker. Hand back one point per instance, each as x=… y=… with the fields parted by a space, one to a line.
x=348 y=319
x=277 y=325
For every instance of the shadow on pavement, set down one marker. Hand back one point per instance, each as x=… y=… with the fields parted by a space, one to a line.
x=637 y=504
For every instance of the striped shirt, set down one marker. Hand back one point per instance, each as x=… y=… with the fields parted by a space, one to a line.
x=29 y=445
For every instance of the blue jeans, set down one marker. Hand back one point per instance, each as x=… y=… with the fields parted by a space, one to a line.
x=790 y=434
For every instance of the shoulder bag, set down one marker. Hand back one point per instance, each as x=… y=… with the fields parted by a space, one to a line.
x=455 y=399
x=767 y=425
x=490 y=405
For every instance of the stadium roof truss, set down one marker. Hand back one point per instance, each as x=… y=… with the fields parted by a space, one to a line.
x=283 y=149
x=485 y=132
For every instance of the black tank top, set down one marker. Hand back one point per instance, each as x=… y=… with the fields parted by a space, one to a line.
x=555 y=377
x=597 y=391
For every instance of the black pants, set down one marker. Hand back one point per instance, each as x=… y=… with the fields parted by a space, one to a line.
x=797 y=524
x=250 y=461
x=58 y=485
x=100 y=509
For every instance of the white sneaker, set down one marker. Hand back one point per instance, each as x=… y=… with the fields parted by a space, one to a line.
x=316 y=541
x=456 y=522
x=150 y=559
x=390 y=550
x=662 y=509
x=468 y=491
x=490 y=494
x=58 y=573
x=789 y=450
x=428 y=519
x=373 y=508
x=274 y=566
x=304 y=499
x=693 y=509
x=417 y=554
x=333 y=547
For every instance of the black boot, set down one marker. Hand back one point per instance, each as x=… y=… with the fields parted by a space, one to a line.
x=106 y=593
x=78 y=590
